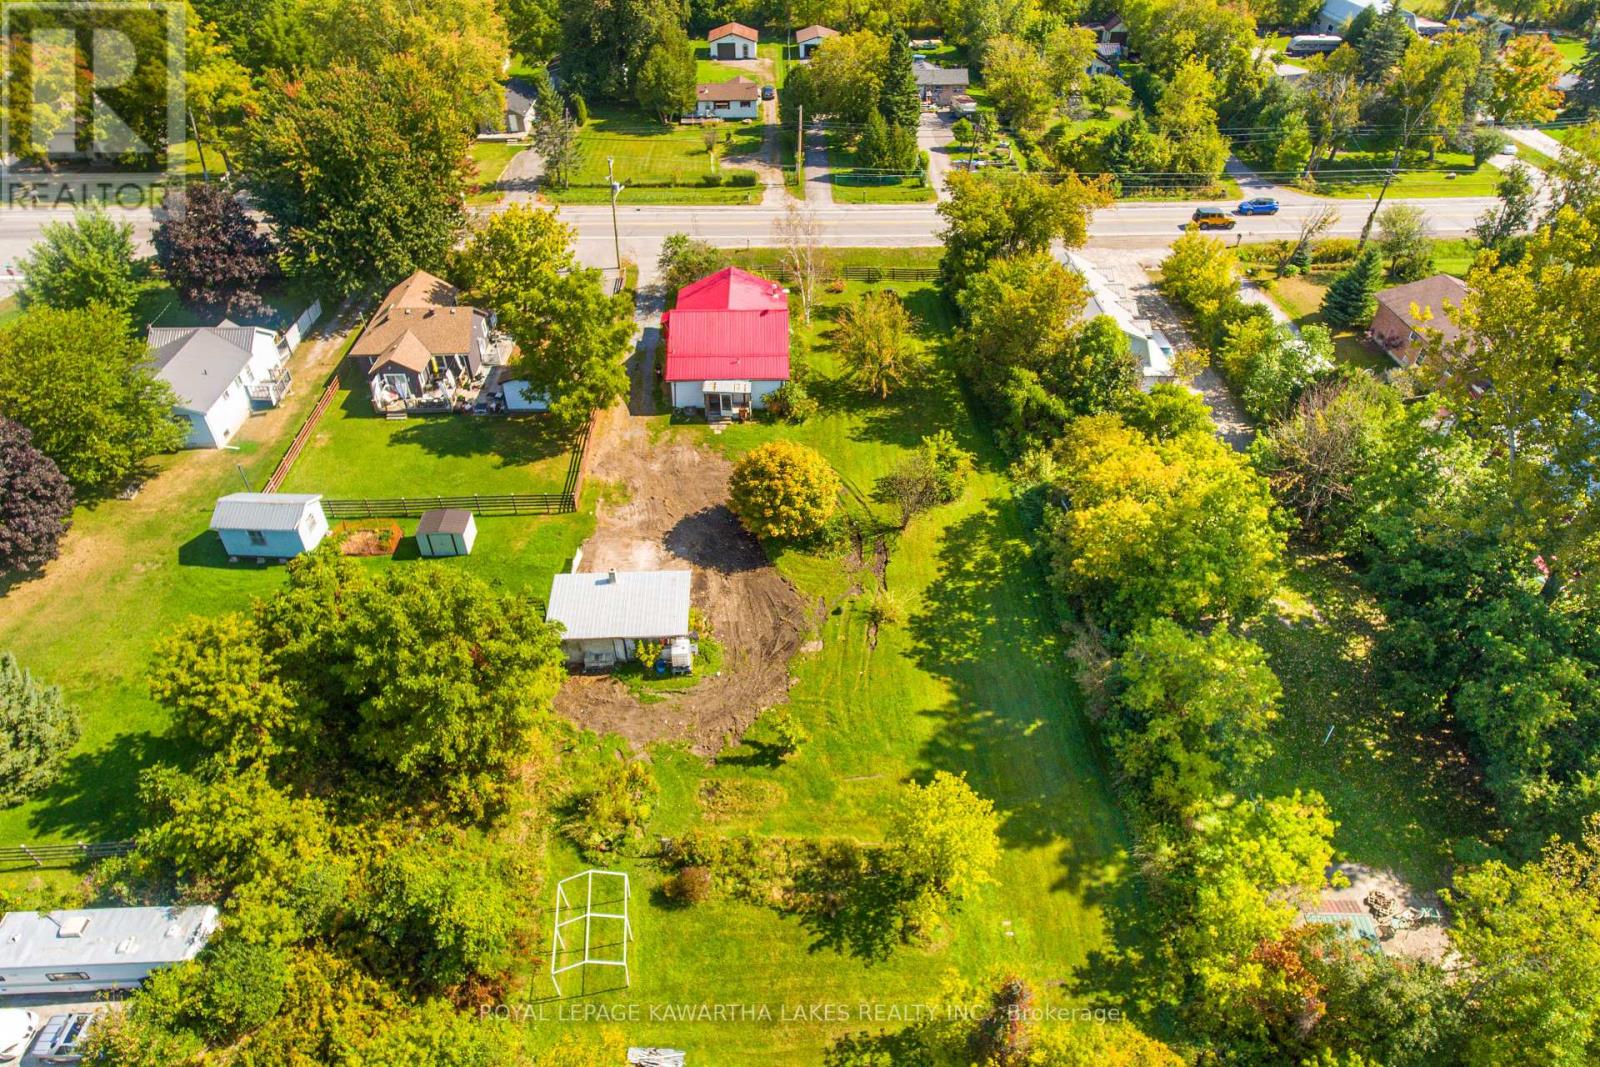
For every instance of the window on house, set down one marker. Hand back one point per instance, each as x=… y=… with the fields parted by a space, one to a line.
x=256 y=537
x=67 y=976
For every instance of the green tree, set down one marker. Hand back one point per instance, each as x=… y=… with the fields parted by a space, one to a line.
x=1502 y=226
x=1350 y=301
x=1165 y=411
x=1186 y=115
x=685 y=259
x=992 y=217
x=846 y=76
x=81 y=383
x=783 y=491
x=1202 y=273
x=86 y=261
x=533 y=28
x=1192 y=713
x=1406 y=240
x=1016 y=73
x=613 y=808
x=876 y=337
x=573 y=335
x=666 y=81
x=222 y=688
x=1585 y=95
x=943 y=836
x=1179 y=528
x=603 y=46
x=445 y=907
x=239 y=987
x=1068 y=51
x=1531 y=939
x=36 y=503
x=1104 y=92
x=362 y=172
x=37 y=728
x=932 y=475
x=1382 y=46
x=899 y=102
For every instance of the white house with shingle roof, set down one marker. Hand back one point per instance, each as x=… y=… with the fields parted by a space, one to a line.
x=739 y=98
x=810 y=39
x=605 y=615
x=269 y=525
x=218 y=372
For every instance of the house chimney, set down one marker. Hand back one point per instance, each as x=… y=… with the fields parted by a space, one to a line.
x=611 y=576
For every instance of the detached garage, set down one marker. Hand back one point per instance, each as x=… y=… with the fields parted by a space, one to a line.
x=732 y=40
x=446 y=532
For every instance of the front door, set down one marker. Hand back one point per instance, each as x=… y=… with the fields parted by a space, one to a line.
x=716 y=405
x=725 y=50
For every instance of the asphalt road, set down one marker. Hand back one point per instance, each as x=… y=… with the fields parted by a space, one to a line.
x=1130 y=225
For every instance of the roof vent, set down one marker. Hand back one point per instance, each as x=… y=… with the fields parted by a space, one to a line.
x=611 y=576
x=127 y=945
x=174 y=930
x=73 y=927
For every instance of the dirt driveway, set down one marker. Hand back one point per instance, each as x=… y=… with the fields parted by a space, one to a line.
x=674 y=517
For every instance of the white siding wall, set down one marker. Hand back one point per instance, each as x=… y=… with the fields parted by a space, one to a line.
x=214 y=428
x=20 y=980
x=742 y=49
x=689 y=394
x=735 y=109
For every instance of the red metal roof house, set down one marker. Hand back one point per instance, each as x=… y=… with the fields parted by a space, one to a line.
x=727 y=343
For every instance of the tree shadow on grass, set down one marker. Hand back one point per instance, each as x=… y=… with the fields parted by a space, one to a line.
x=94 y=799
x=515 y=442
x=849 y=903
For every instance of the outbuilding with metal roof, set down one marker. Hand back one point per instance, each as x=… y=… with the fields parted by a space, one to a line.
x=269 y=525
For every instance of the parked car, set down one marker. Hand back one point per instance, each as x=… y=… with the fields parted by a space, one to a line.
x=61 y=1040
x=1213 y=218
x=768 y=92
x=17 y=1028
x=1259 y=205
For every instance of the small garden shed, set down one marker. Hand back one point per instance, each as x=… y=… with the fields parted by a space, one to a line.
x=605 y=616
x=446 y=532
x=269 y=525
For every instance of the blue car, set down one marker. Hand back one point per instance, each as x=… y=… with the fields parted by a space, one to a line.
x=1261 y=205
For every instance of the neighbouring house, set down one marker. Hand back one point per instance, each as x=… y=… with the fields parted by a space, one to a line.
x=727 y=343
x=732 y=40
x=519 y=111
x=736 y=99
x=1104 y=60
x=422 y=349
x=939 y=85
x=219 y=374
x=1404 y=311
x=605 y=615
x=97 y=948
x=1148 y=344
x=810 y=39
x=1336 y=15
x=1111 y=34
x=446 y=532
x=1289 y=72
x=269 y=525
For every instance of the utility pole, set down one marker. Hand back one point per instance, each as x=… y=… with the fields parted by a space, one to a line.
x=616 y=188
x=800 y=149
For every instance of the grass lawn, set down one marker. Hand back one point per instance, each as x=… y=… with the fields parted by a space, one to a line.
x=1572 y=49
x=1454 y=255
x=1534 y=158
x=1360 y=175
x=356 y=454
x=766 y=69
x=1301 y=297
x=973 y=681
x=131 y=570
x=1400 y=795
x=489 y=159
x=658 y=164
x=853 y=186
x=10 y=308
x=213 y=159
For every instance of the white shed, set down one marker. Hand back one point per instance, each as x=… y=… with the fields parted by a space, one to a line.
x=269 y=525
x=732 y=40
x=446 y=532
x=606 y=615
x=97 y=948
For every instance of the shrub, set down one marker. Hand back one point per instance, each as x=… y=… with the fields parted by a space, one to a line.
x=743 y=179
x=783 y=491
x=885 y=609
x=1333 y=250
x=36 y=730
x=35 y=502
x=691 y=885
x=1486 y=144
x=617 y=807
x=786 y=731
x=792 y=402
x=580 y=110
x=713 y=179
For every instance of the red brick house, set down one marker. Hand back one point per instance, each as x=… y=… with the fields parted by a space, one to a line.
x=1404 y=311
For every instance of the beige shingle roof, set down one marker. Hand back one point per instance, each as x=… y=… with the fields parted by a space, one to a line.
x=424 y=307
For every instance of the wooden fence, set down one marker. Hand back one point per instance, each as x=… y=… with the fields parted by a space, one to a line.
x=860 y=273
x=410 y=507
x=281 y=471
x=61 y=855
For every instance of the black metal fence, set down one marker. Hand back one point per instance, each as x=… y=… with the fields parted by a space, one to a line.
x=61 y=855
x=410 y=507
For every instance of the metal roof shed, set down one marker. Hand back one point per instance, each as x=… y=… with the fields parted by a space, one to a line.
x=97 y=948
x=269 y=525
x=446 y=532
x=605 y=615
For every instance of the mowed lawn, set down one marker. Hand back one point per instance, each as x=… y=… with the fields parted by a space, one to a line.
x=973 y=681
x=1301 y=297
x=356 y=454
x=658 y=164
x=132 y=570
x=1360 y=175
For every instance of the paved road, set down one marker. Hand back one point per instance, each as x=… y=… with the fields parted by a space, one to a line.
x=1125 y=225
